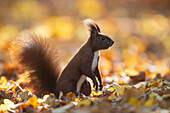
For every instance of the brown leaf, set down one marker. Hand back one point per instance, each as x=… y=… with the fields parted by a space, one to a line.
x=138 y=78
x=4 y=94
x=24 y=95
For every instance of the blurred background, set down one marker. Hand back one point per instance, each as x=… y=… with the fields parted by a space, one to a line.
x=140 y=29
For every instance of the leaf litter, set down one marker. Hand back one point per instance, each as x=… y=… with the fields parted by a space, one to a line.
x=145 y=96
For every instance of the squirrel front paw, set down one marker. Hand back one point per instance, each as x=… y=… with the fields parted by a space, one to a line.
x=101 y=87
x=95 y=85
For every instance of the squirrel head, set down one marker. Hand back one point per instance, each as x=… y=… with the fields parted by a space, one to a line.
x=98 y=40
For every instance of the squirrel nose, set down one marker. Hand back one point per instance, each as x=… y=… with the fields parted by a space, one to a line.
x=113 y=42
x=110 y=43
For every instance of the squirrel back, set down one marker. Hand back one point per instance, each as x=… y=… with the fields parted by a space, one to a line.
x=37 y=55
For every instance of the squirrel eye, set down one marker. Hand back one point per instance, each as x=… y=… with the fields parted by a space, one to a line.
x=103 y=38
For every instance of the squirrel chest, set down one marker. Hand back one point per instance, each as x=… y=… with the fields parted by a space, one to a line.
x=93 y=67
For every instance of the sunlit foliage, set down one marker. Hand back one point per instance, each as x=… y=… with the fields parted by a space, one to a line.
x=135 y=71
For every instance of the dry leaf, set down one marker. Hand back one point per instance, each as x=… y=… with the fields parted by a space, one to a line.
x=119 y=89
x=71 y=96
x=138 y=78
x=33 y=101
x=112 y=97
x=153 y=98
x=84 y=103
x=49 y=100
x=24 y=95
x=134 y=102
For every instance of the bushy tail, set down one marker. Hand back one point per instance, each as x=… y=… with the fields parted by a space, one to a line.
x=39 y=56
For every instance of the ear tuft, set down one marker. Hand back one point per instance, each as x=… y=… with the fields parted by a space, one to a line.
x=92 y=26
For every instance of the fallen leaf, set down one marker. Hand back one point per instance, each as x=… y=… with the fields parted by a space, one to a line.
x=33 y=101
x=84 y=103
x=112 y=89
x=165 y=103
x=24 y=95
x=96 y=94
x=119 y=89
x=49 y=100
x=153 y=98
x=3 y=83
x=134 y=101
x=71 y=96
x=133 y=92
x=60 y=95
x=166 y=82
x=5 y=94
x=138 y=78
x=111 y=97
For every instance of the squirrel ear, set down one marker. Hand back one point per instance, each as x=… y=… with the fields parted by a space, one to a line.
x=92 y=27
x=93 y=31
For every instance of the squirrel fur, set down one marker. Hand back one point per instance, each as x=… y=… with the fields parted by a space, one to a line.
x=39 y=56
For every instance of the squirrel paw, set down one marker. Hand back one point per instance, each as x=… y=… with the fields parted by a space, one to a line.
x=96 y=86
x=101 y=87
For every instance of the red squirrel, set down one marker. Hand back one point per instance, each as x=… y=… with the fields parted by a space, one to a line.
x=39 y=56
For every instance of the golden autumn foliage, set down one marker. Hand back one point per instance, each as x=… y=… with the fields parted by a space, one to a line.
x=135 y=71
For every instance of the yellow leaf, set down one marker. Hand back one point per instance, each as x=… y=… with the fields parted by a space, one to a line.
x=132 y=92
x=76 y=99
x=104 y=99
x=111 y=97
x=84 y=103
x=93 y=93
x=134 y=101
x=156 y=83
x=3 y=83
x=148 y=103
x=71 y=96
x=33 y=101
x=119 y=89
x=112 y=89
x=153 y=98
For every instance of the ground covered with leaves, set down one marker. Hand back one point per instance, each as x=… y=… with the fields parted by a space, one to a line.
x=139 y=94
